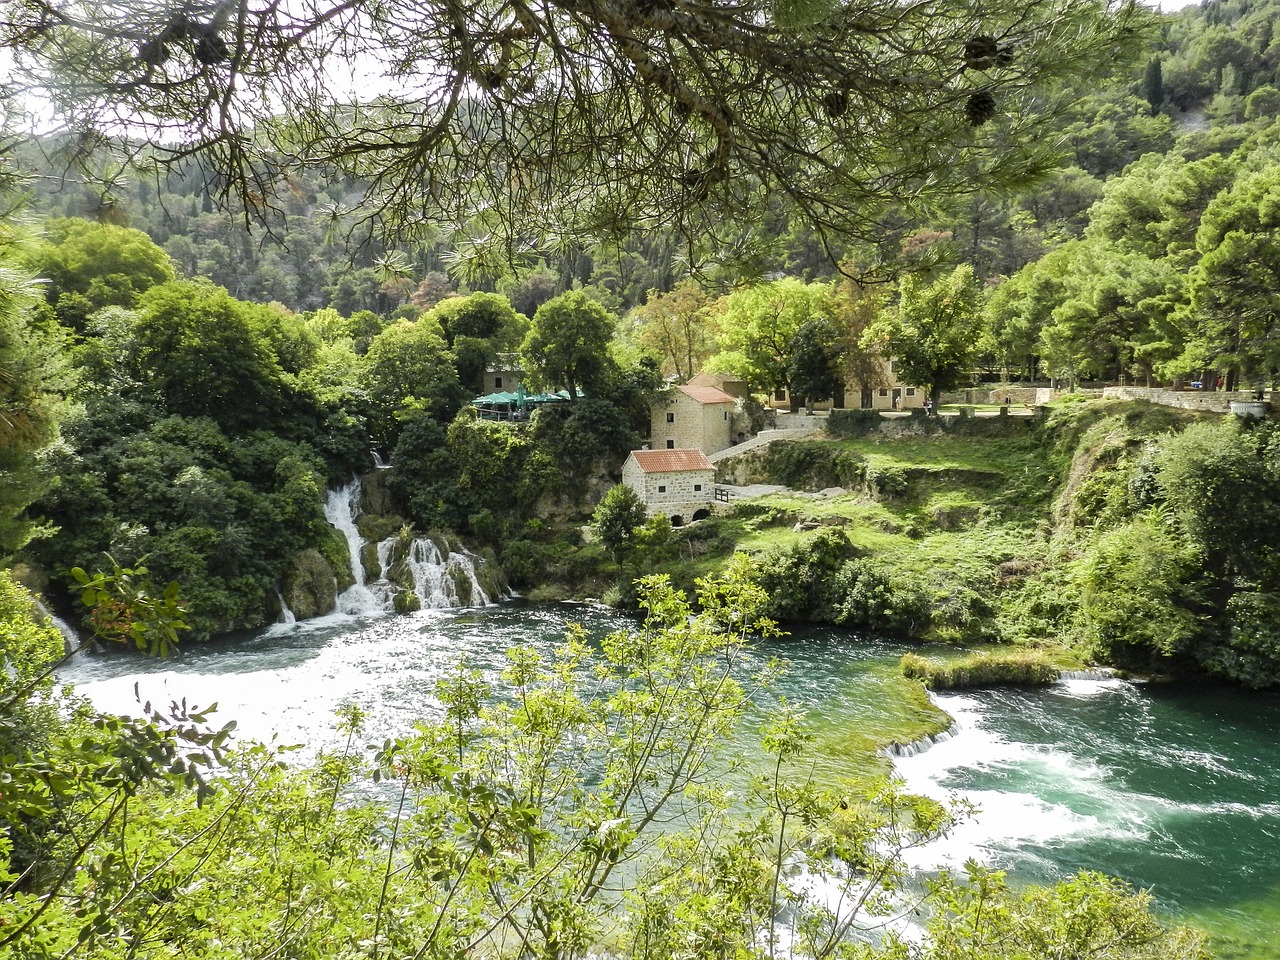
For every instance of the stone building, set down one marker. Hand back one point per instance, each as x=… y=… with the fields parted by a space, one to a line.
x=884 y=391
x=503 y=375
x=678 y=483
x=695 y=418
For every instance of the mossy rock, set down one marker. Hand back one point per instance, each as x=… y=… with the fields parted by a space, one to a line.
x=369 y=560
x=406 y=601
x=398 y=570
x=492 y=578
x=310 y=586
x=375 y=527
x=441 y=540
x=462 y=586
x=333 y=547
x=375 y=498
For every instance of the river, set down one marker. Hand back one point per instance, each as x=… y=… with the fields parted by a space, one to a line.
x=1173 y=790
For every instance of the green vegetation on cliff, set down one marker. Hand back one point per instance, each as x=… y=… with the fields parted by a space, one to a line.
x=1111 y=531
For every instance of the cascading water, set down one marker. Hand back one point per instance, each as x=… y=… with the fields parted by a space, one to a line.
x=286 y=615
x=438 y=579
x=340 y=509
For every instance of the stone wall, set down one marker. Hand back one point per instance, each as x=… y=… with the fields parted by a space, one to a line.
x=664 y=489
x=1211 y=401
x=862 y=423
x=1019 y=396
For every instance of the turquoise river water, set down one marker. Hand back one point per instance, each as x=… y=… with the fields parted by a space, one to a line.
x=1173 y=790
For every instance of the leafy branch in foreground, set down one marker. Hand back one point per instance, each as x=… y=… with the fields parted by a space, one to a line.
x=513 y=124
x=583 y=800
x=125 y=608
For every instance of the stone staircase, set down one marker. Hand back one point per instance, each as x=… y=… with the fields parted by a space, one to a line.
x=796 y=429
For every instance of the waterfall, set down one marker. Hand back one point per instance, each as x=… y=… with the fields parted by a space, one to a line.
x=286 y=615
x=436 y=578
x=70 y=639
x=1098 y=673
x=340 y=509
x=444 y=581
x=917 y=747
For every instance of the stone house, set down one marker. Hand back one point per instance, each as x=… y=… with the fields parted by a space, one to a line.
x=884 y=391
x=695 y=418
x=503 y=376
x=677 y=483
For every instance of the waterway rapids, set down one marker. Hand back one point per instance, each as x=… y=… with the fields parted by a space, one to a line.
x=1173 y=790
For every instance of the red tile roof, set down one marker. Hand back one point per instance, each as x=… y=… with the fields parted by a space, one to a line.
x=671 y=461
x=707 y=394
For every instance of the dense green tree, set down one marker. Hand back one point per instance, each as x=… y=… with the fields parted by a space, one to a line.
x=1155 y=208
x=478 y=329
x=816 y=372
x=32 y=375
x=1230 y=321
x=933 y=335
x=94 y=265
x=567 y=346
x=617 y=520
x=1116 y=134
x=758 y=325
x=409 y=368
x=201 y=353
x=1111 y=319
x=1153 y=85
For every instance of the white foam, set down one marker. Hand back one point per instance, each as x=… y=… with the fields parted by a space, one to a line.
x=1013 y=818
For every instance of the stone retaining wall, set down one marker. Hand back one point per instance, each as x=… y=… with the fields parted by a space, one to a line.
x=1210 y=401
x=861 y=423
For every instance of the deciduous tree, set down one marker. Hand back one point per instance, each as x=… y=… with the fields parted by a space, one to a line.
x=933 y=335
x=617 y=520
x=677 y=328
x=567 y=346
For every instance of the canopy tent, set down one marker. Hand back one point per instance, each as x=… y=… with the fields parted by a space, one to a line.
x=505 y=405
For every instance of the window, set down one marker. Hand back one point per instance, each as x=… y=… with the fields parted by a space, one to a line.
x=671 y=444
x=911 y=391
x=726 y=414
x=671 y=418
x=697 y=487
x=884 y=393
x=662 y=488
x=780 y=394
x=497 y=383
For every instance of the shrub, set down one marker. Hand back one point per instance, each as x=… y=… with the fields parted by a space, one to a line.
x=868 y=594
x=1015 y=668
x=1136 y=582
x=801 y=580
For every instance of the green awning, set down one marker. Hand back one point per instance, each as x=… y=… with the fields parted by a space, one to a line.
x=492 y=399
x=502 y=397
